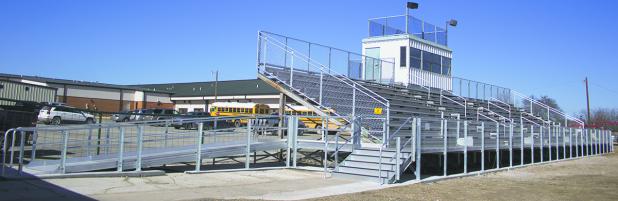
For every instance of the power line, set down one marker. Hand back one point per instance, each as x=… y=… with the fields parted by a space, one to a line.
x=606 y=88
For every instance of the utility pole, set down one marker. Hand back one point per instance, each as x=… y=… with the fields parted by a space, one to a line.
x=216 y=72
x=587 y=99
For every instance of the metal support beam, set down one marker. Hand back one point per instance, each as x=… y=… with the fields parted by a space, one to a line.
x=198 y=140
x=542 y=144
x=482 y=146
x=120 y=150
x=417 y=172
x=511 y=144
x=497 y=145
x=445 y=146
x=465 y=147
x=63 y=157
x=248 y=147
x=531 y=144
x=140 y=146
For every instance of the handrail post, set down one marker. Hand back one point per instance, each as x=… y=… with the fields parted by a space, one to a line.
x=443 y=128
x=63 y=157
x=291 y=68
x=482 y=147
x=248 y=148
x=4 y=150
x=22 y=142
x=140 y=146
x=511 y=144
x=521 y=141
x=289 y=138
x=570 y=142
x=541 y=143
x=198 y=141
x=465 y=146
x=397 y=160
x=532 y=144
x=120 y=150
x=417 y=172
x=337 y=151
x=497 y=145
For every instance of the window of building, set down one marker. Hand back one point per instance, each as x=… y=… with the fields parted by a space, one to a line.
x=415 y=58
x=432 y=62
x=402 y=56
x=183 y=110
x=198 y=109
x=446 y=66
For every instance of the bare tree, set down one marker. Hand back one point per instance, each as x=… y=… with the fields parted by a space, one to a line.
x=541 y=111
x=602 y=118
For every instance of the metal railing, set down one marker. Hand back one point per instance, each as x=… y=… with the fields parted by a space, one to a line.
x=406 y=24
x=279 y=58
x=548 y=108
x=78 y=148
x=398 y=148
x=479 y=90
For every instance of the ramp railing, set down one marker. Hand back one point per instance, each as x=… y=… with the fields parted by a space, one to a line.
x=131 y=145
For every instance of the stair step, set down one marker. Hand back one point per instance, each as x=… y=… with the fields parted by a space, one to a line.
x=370 y=165
x=365 y=172
x=373 y=159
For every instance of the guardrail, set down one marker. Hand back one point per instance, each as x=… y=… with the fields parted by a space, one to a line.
x=53 y=147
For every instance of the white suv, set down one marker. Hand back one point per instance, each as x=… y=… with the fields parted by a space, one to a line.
x=57 y=115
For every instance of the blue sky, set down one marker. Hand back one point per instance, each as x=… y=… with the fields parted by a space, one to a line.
x=538 y=47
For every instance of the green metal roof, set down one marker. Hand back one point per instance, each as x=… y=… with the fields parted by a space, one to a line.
x=78 y=83
x=224 y=88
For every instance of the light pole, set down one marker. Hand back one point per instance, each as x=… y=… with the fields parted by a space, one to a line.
x=409 y=5
x=216 y=74
x=452 y=23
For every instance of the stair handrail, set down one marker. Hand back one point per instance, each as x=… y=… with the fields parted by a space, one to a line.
x=489 y=110
x=320 y=66
x=425 y=85
x=464 y=105
x=524 y=118
x=566 y=116
x=385 y=145
x=489 y=102
x=538 y=118
x=478 y=113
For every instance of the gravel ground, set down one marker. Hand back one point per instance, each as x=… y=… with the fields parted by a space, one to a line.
x=594 y=178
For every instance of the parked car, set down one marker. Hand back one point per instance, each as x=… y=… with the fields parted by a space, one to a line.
x=181 y=121
x=124 y=116
x=141 y=115
x=57 y=115
x=161 y=114
x=152 y=114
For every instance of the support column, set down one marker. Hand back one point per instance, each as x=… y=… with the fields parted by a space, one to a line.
x=497 y=145
x=482 y=147
x=465 y=147
x=417 y=172
x=445 y=146
x=532 y=144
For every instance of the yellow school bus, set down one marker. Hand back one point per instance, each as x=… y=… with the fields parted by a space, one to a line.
x=222 y=109
x=299 y=110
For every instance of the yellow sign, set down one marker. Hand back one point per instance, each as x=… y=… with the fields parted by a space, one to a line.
x=377 y=110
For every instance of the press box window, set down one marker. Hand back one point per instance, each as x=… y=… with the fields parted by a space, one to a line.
x=415 y=58
x=402 y=56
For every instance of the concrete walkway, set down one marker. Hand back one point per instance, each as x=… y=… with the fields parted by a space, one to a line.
x=282 y=184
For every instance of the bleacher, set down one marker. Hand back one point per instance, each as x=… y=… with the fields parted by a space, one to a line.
x=445 y=123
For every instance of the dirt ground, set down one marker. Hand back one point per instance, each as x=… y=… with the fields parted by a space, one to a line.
x=594 y=178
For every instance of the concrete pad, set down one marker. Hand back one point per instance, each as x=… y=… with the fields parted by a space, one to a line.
x=279 y=184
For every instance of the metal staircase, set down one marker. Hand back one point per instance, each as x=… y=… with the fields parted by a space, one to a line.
x=308 y=81
x=373 y=164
